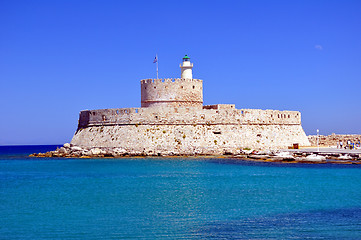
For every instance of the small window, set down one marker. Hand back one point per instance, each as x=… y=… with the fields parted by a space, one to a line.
x=155 y=87
x=156 y=117
x=242 y=112
x=136 y=110
x=194 y=87
x=182 y=87
x=117 y=111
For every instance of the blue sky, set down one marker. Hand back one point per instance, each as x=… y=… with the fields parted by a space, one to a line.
x=60 y=57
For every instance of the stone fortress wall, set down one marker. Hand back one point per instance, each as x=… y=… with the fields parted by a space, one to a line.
x=333 y=139
x=209 y=115
x=173 y=121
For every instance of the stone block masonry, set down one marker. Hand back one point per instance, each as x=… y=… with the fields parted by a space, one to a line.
x=172 y=92
x=219 y=115
x=334 y=139
x=178 y=131
x=188 y=139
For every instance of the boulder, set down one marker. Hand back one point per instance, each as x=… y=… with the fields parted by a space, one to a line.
x=67 y=145
x=95 y=151
x=63 y=150
x=119 y=151
x=76 y=148
x=284 y=156
x=315 y=158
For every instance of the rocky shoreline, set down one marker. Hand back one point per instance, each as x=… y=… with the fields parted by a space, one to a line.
x=278 y=156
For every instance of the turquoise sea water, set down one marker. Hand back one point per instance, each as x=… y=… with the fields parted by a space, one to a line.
x=174 y=198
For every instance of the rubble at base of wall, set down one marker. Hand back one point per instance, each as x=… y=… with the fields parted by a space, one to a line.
x=277 y=156
x=71 y=151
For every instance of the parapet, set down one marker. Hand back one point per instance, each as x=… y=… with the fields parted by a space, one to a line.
x=187 y=116
x=167 y=80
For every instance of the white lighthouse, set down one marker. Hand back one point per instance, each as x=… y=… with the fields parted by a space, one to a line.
x=186 y=67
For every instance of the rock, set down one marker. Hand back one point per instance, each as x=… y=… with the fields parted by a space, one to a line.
x=230 y=151
x=119 y=151
x=67 y=145
x=95 y=151
x=63 y=150
x=284 y=156
x=256 y=156
x=345 y=157
x=85 y=153
x=48 y=154
x=264 y=152
x=247 y=151
x=315 y=158
x=75 y=148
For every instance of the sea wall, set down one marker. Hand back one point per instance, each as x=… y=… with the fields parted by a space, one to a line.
x=334 y=139
x=189 y=139
x=214 y=130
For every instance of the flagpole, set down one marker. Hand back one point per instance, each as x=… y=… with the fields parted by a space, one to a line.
x=157 y=66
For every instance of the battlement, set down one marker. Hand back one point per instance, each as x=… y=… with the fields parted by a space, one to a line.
x=168 y=80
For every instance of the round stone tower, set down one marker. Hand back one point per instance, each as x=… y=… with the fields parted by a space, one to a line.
x=179 y=92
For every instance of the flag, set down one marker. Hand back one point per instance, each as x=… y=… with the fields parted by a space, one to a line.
x=155 y=59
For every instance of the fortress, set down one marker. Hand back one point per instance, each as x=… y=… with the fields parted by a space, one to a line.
x=172 y=120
